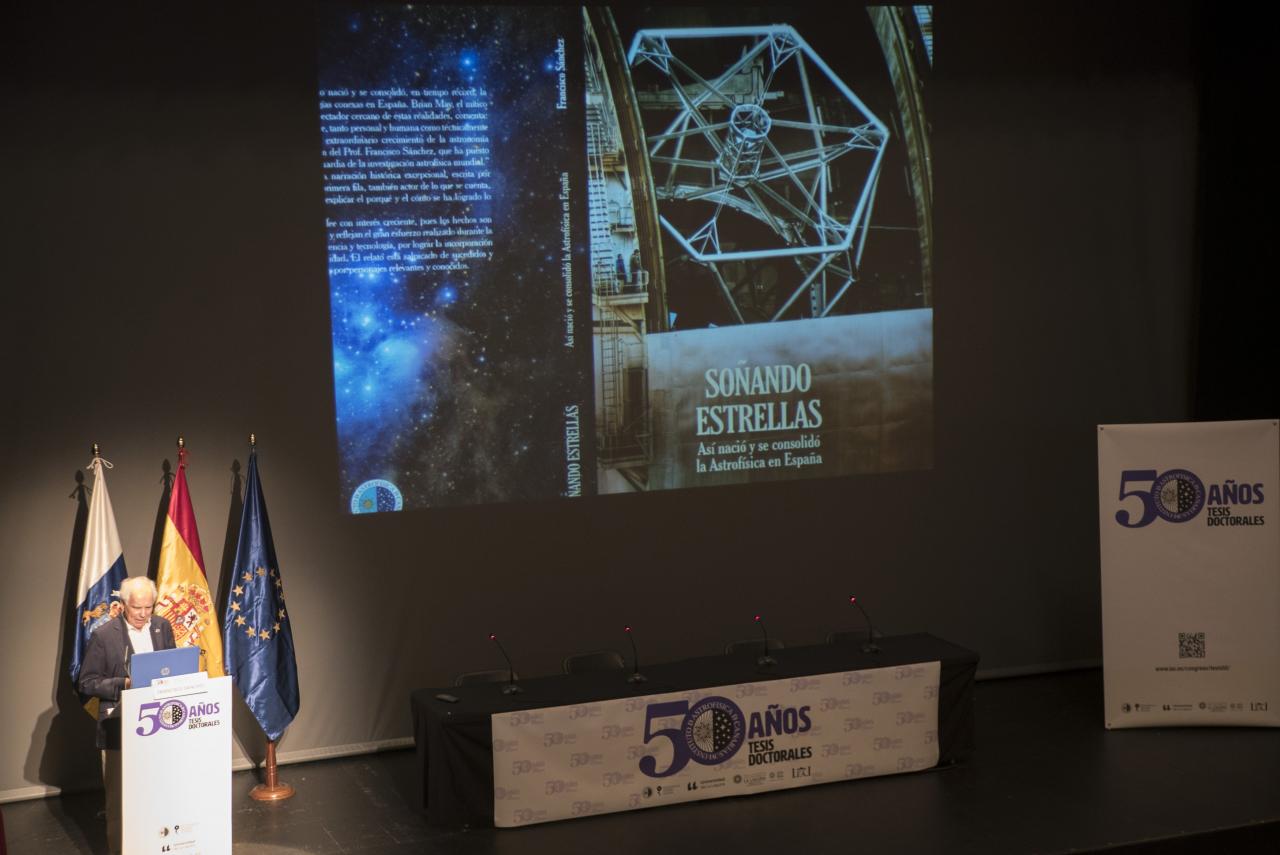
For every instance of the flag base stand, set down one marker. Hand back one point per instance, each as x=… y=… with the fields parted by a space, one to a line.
x=265 y=793
x=272 y=790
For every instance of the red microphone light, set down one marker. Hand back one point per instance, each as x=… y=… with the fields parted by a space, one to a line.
x=493 y=637
x=626 y=629
x=853 y=601
x=757 y=618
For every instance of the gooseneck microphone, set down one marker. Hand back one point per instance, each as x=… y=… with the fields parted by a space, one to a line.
x=636 y=676
x=870 y=646
x=766 y=660
x=511 y=688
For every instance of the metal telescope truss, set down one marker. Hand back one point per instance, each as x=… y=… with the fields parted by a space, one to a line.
x=765 y=164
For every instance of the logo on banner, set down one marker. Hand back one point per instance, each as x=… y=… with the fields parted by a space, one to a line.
x=1175 y=496
x=714 y=730
x=710 y=732
x=1179 y=495
x=166 y=715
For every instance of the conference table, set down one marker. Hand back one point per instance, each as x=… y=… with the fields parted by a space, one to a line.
x=578 y=744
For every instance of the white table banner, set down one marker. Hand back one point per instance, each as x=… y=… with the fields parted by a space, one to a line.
x=1190 y=544
x=641 y=752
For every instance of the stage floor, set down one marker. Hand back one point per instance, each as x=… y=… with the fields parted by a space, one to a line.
x=1046 y=777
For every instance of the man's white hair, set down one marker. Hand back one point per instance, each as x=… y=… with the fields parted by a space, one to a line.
x=137 y=585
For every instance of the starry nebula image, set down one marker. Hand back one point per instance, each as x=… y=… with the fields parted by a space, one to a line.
x=453 y=162
x=546 y=228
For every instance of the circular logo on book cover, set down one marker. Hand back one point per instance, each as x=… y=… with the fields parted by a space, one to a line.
x=376 y=496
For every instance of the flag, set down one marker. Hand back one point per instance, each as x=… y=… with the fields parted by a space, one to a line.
x=259 y=637
x=184 y=598
x=101 y=568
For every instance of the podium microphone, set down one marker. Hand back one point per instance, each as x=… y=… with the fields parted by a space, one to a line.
x=766 y=660
x=636 y=676
x=511 y=688
x=870 y=646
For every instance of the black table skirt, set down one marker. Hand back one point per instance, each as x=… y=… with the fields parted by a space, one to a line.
x=455 y=740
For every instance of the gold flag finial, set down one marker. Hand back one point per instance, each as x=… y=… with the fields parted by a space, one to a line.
x=97 y=450
x=182 y=443
x=253 y=440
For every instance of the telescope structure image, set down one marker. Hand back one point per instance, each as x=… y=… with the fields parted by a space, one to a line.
x=732 y=179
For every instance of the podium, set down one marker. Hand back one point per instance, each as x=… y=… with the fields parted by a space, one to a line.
x=175 y=740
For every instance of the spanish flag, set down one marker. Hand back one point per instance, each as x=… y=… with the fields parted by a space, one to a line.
x=184 y=599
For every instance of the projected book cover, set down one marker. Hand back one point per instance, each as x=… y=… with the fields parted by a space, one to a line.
x=594 y=251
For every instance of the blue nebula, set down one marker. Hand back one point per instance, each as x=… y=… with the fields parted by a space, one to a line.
x=446 y=379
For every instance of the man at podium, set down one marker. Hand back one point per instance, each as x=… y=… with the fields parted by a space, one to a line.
x=105 y=674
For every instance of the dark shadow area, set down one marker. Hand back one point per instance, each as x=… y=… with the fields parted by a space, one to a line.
x=162 y=511
x=363 y=804
x=229 y=541
x=62 y=750
x=1234 y=218
x=72 y=823
x=248 y=733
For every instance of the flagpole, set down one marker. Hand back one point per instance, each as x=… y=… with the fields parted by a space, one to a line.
x=272 y=790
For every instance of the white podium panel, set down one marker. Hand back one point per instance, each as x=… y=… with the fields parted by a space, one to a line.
x=176 y=782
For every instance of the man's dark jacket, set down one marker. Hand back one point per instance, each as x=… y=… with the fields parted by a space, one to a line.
x=106 y=664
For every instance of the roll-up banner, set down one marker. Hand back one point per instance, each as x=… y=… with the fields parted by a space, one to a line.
x=1190 y=549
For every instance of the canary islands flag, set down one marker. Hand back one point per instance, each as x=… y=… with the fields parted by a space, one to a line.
x=101 y=568
x=259 y=638
x=184 y=599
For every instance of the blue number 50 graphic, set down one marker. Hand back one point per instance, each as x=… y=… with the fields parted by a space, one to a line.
x=144 y=714
x=1175 y=496
x=1148 y=503
x=710 y=732
x=680 y=752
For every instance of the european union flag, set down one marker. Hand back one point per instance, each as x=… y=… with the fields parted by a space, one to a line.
x=258 y=639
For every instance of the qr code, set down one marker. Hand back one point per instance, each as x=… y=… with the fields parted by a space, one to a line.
x=1191 y=645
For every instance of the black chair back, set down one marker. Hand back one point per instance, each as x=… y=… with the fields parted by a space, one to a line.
x=752 y=645
x=597 y=660
x=851 y=636
x=500 y=675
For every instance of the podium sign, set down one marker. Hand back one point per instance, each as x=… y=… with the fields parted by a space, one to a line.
x=1190 y=543
x=176 y=782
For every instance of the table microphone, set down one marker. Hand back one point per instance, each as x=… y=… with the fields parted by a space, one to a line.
x=636 y=676
x=870 y=646
x=511 y=688
x=765 y=660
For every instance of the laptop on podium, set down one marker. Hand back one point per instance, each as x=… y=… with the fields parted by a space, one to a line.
x=145 y=667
